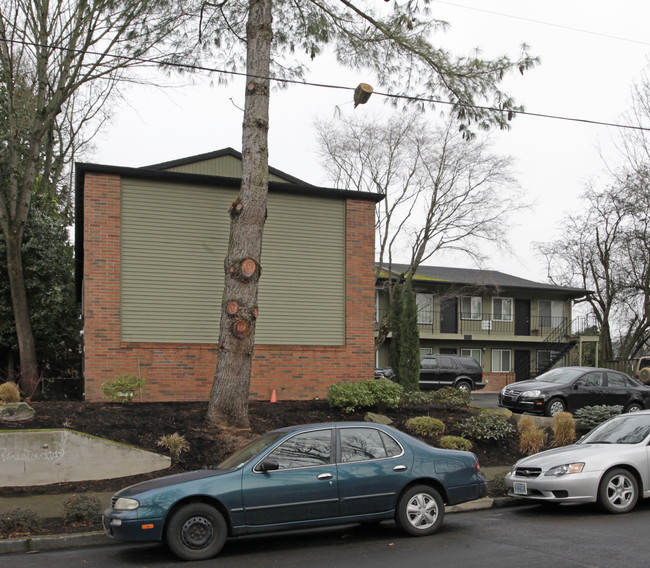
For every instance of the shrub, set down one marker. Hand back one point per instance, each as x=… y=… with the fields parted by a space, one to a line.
x=564 y=429
x=525 y=423
x=351 y=396
x=175 y=443
x=455 y=443
x=425 y=426
x=486 y=427
x=81 y=510
x=19 y=522
x=591 y=416
x=122 y=388
x=417 y=397
x=9 y=392
x=385 y=392
x=504 y=412
x=531 y=439
x=450 y=398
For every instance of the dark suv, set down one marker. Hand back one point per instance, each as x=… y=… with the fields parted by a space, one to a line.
x=438 y=371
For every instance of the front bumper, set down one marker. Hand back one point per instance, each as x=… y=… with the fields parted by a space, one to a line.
x=519 y=405
x=570 y=488
x=121 y=525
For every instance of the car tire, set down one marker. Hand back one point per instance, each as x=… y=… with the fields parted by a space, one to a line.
x=196 y=531
x=618 y=491
x=555 y=406
x=464 y=386
x=633 y=407
x=420 y=511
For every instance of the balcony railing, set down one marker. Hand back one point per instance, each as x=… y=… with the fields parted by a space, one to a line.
x=485 y=324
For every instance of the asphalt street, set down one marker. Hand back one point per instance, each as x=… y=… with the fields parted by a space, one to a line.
x=532 y=536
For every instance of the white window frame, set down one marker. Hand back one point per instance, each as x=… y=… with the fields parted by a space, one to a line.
x=476 y=354
x=426 y=351
x=475 y=311
x=557 y=312
x=424 y=304
x=502 y=316
x=497 y=360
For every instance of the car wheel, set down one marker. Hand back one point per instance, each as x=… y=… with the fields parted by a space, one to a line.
x=420 y=511
x=618 y=491
x=633 y=407
x=555 y=406
x=196 y=531
x=464 y=386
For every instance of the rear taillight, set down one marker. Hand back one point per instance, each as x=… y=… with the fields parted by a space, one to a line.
x=477 y=466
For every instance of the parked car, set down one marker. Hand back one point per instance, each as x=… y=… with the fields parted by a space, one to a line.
x=642 y=371
x=571 y=388
x=299 y=477
x=609 y=466
x=440 y=370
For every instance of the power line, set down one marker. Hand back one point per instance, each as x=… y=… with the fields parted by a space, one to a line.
x=411 y=98
x=551 y=24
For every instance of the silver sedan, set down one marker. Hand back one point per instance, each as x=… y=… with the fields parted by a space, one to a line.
x=610 y=465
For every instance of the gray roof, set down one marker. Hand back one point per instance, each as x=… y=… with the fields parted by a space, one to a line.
x=478 y=277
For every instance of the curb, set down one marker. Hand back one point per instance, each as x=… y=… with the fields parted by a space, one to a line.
x=53 y=542
x=36 y=544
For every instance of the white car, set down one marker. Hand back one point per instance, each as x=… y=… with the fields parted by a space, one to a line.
x=610 y=465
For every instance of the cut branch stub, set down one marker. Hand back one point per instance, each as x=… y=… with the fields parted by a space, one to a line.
x=232 y=308
x=235 y=208
x=248 y=267
x=240 y=329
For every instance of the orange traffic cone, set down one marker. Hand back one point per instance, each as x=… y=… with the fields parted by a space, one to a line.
x=273 y=397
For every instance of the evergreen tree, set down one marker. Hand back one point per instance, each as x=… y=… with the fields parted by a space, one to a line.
x=409 y=368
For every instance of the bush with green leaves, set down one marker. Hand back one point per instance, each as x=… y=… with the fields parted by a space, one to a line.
x=417 y=397
x=427 y=426
x=9 y=393
x=122 y=388
x=18 y=522
x=354 y=395
x=455 y=443
x=591 y=416
x=81 y=510
x=450 y=398
x=486 y=427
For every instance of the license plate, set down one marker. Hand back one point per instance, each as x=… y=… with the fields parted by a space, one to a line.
x=519 y=488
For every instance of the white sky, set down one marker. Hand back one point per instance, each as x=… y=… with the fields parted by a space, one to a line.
x=584 y=74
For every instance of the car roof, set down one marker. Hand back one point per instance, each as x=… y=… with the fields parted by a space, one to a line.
x=299 y=427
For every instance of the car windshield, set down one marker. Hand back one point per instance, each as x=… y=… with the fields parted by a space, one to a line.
x=561 y=375
x=241 y=456
x=627 y=429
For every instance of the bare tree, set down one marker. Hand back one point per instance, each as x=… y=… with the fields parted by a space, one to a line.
x=59 y=61
x=442 y=191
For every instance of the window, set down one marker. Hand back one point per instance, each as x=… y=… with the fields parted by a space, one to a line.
x=501 y=361
x=551 y=313
x=618 y=380
x=474 y=353
x=361 y=444
x=594 y=379
x=502 y=309
x=426 y=351
x=429 y=363
x=471 y=308
x=425 y=308
x=304 y=450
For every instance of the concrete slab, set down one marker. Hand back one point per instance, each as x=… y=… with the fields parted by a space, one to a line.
x=42 y=457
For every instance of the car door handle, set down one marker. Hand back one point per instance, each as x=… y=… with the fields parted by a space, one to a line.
x=325 y=476
x=399 y=468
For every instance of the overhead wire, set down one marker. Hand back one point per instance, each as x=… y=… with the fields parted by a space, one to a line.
x=410 y=98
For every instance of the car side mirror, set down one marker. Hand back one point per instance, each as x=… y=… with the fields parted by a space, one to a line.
x=579 y=384
x=269 y=465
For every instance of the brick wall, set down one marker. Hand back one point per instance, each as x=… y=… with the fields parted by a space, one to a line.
x=184 y=372
x=496 y=381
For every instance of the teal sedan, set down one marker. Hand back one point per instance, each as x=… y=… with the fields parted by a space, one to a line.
x=299 y=477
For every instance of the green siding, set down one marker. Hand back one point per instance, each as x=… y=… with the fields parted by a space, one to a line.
x=174 y=240
x=227 y=166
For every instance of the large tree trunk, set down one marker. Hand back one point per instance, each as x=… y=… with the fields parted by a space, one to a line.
x=26 y=345
x=242 y=266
